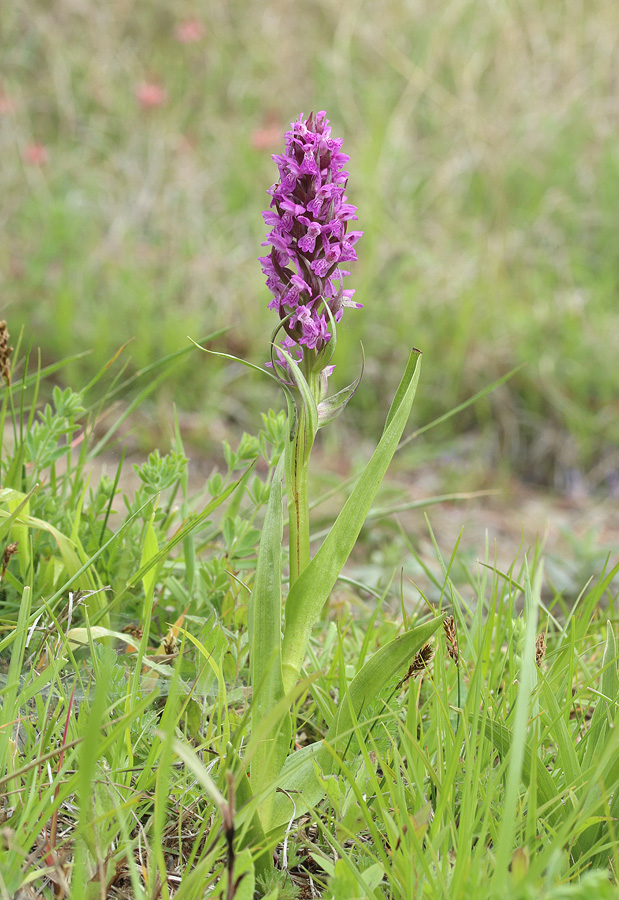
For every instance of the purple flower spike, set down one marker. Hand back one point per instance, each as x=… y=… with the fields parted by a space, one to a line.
x=308 y=217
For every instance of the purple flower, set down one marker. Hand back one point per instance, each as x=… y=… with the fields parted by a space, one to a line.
x=308 y=218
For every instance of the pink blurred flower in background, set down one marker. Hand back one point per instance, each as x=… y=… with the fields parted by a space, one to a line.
x=150 y=95
x=266 y=138
x=269 y=134
x=190 y=31
x=7 y=104
x=35 y=154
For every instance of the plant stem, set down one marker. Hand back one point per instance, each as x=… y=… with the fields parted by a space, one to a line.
x=298 y=449
x=303 y=399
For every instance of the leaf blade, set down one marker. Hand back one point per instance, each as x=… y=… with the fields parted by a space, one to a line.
x=312 y=588
x=264 y=630
x=298 y=778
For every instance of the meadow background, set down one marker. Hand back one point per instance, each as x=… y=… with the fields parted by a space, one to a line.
x=135 y=149
x=135 y=142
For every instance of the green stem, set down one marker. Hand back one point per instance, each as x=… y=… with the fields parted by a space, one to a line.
x=298 y=451
x=297 y=471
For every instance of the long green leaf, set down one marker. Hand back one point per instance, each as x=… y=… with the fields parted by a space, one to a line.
x=264 y=625
x=376 y=673
x=313 y=586
x=298 y=778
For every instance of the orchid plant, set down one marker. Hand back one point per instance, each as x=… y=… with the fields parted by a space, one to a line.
x=310 y=244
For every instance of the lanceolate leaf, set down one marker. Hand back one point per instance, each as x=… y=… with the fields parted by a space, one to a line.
x=375 y=674
x=411 y=373
x=311 y=590
x=298 y=776
x=264 y=628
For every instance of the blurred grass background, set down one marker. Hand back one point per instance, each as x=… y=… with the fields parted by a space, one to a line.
x=135 y=141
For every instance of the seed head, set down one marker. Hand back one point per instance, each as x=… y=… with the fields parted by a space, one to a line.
x=9 y=551
x=5 y=352
x=449 y=627
x=420 y=663
x=540 y=649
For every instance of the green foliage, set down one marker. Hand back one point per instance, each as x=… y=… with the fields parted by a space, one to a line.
x=157 y=474
x=125 y=756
